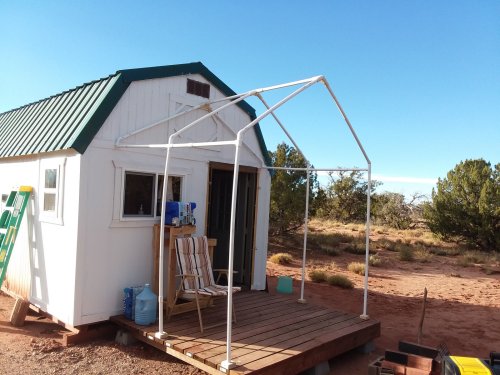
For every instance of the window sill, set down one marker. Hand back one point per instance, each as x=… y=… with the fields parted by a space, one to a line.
x=134 y=222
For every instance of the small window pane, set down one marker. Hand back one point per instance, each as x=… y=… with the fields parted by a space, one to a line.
x=51 y=178
x=49 y=202
x=173 y=191
x=138 y=194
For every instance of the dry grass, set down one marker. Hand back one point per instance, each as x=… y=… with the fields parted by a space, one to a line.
x=356 y=267
x=318 y=276
x=340 y=281
x=472 y=257
x=281 y=258
x=423 y=255
x=375 y=260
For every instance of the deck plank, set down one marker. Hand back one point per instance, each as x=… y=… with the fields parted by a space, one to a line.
x=273 y=335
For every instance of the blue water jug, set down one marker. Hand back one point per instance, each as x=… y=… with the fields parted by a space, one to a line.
x=146 y=307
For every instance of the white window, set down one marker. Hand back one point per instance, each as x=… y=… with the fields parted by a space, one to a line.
x=51 y=190
x=142 y=193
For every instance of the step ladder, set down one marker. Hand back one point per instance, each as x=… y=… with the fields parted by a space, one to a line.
x=10 y=221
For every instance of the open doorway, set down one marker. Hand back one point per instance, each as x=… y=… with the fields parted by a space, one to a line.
x=219 y=218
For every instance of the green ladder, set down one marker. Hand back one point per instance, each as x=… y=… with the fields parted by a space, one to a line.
x=10 y=221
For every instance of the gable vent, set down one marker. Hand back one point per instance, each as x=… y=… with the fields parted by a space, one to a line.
x=198 y=88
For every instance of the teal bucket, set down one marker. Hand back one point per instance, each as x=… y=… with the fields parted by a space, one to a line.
x=285 y=285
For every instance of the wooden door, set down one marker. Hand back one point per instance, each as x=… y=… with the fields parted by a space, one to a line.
x=219 y=219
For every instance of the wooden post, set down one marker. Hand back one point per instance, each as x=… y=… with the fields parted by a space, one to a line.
x=19 y=312
x=420 y=326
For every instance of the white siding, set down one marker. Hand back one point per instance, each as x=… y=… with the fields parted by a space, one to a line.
x=43 y=262
x=114 y=253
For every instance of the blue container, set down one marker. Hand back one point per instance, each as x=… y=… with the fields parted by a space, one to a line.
x=180 y=213
x=146 y=307
x=130 y=294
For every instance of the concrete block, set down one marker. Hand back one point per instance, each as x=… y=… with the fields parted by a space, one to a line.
x=124 y=338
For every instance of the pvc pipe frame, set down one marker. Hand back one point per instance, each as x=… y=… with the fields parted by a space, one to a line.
x=227 y=363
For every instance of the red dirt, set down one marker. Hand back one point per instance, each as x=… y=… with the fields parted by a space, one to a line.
x=463 y=312
x=463 y=304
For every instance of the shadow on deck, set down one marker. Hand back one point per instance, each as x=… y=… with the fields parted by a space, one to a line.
x=272 y=335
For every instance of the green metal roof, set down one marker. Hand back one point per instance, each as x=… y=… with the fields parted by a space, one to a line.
x=71 y=119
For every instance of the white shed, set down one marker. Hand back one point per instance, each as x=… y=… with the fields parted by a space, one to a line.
x=88 y=233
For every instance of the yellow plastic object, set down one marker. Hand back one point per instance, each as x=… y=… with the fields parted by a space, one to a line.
x=455 y=365
x=26 y=188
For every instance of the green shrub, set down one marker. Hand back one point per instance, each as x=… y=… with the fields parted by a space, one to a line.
x=340 y=281
x=406 y=253
x=438 y=251
x=356 y=267
x=465 y=204
x=332 y=252
x=388 y=245
x=318 y=276
x=281 y=258
x=355 y=248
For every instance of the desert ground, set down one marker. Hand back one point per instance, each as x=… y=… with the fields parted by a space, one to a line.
x=462 y=312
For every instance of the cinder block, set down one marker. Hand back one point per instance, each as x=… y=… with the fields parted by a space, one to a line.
x=19 y=312
x=124 y=338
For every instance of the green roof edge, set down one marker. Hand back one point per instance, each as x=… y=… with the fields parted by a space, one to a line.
x=100 y=115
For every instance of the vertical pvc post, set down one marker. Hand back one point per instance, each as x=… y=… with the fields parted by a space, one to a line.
x=306 y=223
x=367 y=250
x=161 y=333
x=227 y=364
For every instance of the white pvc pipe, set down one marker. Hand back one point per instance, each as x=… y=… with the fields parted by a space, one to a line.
x=294 y=83
x=367 y=250
x=306 y=222
x=227 y=363
x=337 y=103
x=308 y=82
x=161 y=333
x=319 y=169
x=283 y=128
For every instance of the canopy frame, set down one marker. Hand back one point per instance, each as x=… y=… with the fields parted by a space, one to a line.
x=237 y=142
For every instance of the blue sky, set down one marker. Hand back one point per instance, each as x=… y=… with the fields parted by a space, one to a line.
x=419 y=80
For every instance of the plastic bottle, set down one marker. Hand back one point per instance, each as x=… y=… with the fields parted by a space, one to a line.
x=145 y=307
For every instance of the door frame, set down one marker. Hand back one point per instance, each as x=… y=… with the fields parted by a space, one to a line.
x=212 y=165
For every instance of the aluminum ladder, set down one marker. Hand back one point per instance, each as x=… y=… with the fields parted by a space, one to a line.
x=10 y=221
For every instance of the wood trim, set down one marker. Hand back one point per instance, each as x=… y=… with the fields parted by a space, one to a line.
x=230 y=167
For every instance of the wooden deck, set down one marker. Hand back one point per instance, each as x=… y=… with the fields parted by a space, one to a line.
x=272 y=335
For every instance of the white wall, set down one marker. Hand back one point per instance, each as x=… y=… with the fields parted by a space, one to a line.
x=115 y=252
x=43 y=261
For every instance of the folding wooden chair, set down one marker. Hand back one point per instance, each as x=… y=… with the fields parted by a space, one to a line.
x=195 y=271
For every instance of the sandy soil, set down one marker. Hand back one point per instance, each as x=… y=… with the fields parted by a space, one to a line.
x=463 y=304
x=463 y=312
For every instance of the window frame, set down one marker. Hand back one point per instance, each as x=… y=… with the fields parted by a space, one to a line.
x=52 y=216
x=121 y=169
